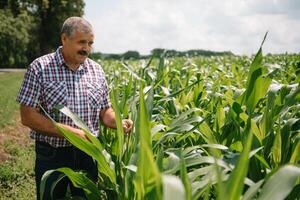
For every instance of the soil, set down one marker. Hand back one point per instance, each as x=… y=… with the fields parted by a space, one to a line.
x=17 y=134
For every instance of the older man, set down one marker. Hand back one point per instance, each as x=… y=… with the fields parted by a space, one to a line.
x=69 y=78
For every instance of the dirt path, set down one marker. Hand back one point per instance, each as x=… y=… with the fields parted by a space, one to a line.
x=17 y=134
x=12 y=70
x=8 y=70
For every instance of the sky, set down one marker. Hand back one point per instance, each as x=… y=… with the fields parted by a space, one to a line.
x=219 y=25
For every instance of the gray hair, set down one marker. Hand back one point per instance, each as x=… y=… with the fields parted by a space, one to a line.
x=73 y=24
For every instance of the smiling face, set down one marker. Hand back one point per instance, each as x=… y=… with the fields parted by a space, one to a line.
x=76 y=47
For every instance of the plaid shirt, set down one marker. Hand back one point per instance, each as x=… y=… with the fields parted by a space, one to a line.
x=49 y=82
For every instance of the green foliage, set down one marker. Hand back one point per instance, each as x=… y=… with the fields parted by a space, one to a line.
x=199 y=136
x=157 y=53
x=16 y=175
x=30 y=28
x=131 y=55
x=91 y=148
x=9 y=87
x=78 y=180
x=14 y=38
x=50 y=16
x=147 y=182
x=281 y=183
x=204 y=128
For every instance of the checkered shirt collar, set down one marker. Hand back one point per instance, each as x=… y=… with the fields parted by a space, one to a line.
x=61 y=61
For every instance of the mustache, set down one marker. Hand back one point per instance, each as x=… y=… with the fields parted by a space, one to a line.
x=83 y=53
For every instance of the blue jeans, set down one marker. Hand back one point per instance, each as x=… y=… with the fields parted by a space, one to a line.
x=48 y=157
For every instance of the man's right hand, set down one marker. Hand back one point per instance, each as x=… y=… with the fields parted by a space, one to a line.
x=34 y=120
x=76 y=131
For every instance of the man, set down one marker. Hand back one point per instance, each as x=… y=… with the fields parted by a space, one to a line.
x=69 y=78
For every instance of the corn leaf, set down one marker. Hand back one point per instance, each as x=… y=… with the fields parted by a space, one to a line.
x=235 y=185
x=117 y=148
x=173 y=188
x=280 y=184
x=84 y=145
x=148 y=180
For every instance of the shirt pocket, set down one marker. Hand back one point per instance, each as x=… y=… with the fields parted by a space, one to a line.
x=95 y=95
x=56 y=94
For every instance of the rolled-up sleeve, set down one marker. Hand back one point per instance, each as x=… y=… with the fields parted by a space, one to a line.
x=31 y=88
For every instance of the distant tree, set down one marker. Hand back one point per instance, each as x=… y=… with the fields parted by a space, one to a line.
x=3 y=4
x=41 y=35
x=18 y=6
x=157 y=52
x=172 y=53
x=131 y=55
x=51 y=14
x=14 y=38
x=96 y=55
x=112 y=56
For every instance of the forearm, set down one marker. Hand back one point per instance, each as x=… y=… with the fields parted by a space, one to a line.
x=108 y=118
x=38 y=122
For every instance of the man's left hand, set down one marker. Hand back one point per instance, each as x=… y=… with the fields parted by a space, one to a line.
x=127 y=125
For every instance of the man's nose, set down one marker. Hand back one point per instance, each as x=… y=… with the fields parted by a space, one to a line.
x=86 y=48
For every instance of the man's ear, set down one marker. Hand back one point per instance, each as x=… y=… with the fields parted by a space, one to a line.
x=63 y=38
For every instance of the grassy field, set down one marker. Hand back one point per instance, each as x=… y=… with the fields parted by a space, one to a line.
x=16 y=149
x=17 y=176
x=9 y=87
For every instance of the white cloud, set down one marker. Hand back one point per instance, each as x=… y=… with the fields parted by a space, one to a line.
x=235 y=25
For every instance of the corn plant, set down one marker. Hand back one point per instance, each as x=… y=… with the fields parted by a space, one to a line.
x=205 y=128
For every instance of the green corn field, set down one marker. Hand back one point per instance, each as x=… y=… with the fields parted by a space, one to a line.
x=225 y=128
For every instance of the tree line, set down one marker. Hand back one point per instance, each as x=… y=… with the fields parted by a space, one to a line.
x=30 y=28
x=158 y=52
